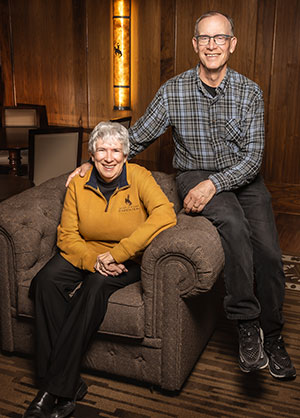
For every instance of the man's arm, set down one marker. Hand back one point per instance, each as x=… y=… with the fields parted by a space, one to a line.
x=150 y=126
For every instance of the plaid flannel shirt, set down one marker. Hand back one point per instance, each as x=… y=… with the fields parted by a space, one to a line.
x=223 y=134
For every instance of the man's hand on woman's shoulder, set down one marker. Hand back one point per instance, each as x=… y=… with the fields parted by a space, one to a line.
x=82 y=170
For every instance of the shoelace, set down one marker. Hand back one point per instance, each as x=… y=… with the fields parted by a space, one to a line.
x=277 y=347
x=280 y=344
x=277 y=344
x=249 y=331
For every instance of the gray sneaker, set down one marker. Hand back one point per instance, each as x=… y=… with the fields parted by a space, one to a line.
x=280 y=364
x=251 y=351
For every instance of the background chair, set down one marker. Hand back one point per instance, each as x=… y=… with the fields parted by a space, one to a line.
x=53 y=151
x=18 y=120
x=41 y=113
x=125 y=121
x=24 y=115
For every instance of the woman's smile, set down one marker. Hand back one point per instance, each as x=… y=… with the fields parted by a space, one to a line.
x=109 y=159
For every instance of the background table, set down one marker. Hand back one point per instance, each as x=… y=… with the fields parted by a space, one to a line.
x=14 y=140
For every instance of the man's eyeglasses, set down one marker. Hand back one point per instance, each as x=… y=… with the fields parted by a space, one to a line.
x=218 y=39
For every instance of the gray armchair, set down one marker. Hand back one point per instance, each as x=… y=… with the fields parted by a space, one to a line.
x=154 y=330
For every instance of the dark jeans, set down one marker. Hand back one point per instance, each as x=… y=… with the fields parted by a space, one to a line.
x=253 y=272
x=65 y=324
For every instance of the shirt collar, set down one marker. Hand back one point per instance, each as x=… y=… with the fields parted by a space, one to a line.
x=220 y=89
x=92 y=181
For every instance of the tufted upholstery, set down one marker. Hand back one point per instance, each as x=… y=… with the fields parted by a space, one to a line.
x=154 y=330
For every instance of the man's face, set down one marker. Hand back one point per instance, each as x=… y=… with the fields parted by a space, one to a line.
x=214 y=57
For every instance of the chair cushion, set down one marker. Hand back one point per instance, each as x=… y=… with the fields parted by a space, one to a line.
x=124 y=316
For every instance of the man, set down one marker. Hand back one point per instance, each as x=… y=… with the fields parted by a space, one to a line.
x=217 y=119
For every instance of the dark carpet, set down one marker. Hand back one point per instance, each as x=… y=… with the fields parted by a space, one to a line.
x=215 y=388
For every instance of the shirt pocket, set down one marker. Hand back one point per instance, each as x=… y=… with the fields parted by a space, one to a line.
x=234 y=137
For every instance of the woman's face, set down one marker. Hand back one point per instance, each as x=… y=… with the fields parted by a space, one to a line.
x=109 y=159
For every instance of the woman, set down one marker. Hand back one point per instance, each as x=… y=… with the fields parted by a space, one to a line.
x=109 y=217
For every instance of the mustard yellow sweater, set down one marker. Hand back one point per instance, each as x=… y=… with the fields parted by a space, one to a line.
x=137 y=211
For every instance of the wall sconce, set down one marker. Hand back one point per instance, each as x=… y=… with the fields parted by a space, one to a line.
x=121 y=39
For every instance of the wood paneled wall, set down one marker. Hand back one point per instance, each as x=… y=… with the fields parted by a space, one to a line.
x=59 y=53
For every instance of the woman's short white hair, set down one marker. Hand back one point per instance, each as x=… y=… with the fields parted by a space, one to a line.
x=108 y=131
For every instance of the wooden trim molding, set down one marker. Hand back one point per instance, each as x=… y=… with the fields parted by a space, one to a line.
x=285 y=198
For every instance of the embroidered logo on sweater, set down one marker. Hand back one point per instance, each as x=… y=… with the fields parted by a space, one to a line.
x=128 y=201
x=129 y=207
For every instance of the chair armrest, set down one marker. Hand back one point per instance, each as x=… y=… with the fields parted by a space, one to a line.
x=186 y=259
x=28 y=223
x=196 y=246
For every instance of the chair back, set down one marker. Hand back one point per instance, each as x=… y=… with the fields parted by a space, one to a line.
x=25 y=115
x=125 y=121
x=17 y=121
x=53 y=151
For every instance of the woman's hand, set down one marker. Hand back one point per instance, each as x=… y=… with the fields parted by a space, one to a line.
x=107 y=266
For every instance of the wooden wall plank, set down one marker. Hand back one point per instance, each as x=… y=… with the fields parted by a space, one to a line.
x=49 y=57
x=7 y=88
x=264 y=49
x=100 y=46
x=167 y=71
x=168 y=39
x=282 y=159
x=264 y=58
x=145 y=74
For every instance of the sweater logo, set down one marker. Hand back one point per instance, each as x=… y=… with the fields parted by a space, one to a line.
x=128 y=207
x=128 y=201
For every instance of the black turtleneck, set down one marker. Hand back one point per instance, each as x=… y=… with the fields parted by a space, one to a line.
x=107 y=188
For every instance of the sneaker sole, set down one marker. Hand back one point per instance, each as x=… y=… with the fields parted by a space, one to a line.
x=281 y=377
x=253 y=369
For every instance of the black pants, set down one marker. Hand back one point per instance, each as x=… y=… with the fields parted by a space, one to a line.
x=253 y=272
x=66 y=323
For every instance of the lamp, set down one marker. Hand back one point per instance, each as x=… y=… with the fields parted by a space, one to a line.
x=121 y=60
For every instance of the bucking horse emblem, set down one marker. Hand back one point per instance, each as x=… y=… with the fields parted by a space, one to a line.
x=117 y=50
